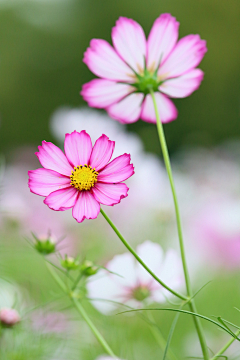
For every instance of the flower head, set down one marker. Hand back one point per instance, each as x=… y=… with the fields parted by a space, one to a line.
x=9 y=317
x=135 y=66
x=129 y=283
x=82 y=178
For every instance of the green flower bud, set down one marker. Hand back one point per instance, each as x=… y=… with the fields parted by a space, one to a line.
x=45 y=246
x=88 y=268
x=69 y=263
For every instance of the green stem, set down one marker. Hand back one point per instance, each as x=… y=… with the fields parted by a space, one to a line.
x=83 y=313
x=179 y=228
x=224 y=348
x=93 y=328
x=128 y=246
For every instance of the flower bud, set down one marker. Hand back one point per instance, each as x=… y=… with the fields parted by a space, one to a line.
x=88 y=268
x=45 y=245
x=9 y=317
x=69 y=263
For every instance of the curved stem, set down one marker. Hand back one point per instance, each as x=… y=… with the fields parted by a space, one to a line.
x=83 y=313
x=179 y=228
x=128 y=246
x=225 y=347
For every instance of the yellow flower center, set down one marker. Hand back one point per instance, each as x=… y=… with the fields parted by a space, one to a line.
x=83 y=177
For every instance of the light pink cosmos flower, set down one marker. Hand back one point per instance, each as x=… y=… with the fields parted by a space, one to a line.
x=81 y=178
x=134 y=66
x=129 y=283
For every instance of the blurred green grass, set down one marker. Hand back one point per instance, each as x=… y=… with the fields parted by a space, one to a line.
x=129 y=336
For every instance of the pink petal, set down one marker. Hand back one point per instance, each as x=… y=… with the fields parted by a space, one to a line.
x=184 y=85
x=78 y=148
x=52 y=158
x=101 y=93
x=63 y=199
x=186 y=55
x=161 y=40
x=127 y=110
x=109 y=194
x=104 y=62
x=86 y=207
x=102 y=152
x=166 y=109
x=42 y=181
x=129 y=40
x=117 y=170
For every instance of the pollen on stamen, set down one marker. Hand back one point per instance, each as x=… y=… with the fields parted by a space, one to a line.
x=83 y=177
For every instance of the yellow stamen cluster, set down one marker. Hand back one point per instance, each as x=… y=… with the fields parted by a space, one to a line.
x=83 y=177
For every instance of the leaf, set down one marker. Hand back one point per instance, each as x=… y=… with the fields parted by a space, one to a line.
x=189 y=313
x=170 y=335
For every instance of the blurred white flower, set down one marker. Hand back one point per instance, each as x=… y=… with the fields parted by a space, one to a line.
x=129 y=283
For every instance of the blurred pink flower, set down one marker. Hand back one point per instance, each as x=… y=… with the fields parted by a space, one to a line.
x=212 y=221
x=131 y=284
x=216 y=229
x=9 y=317
x=50 y=322
x=83 y=178
x=134 y=65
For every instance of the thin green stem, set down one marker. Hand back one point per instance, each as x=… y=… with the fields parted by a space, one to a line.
x=77 y=281
x=128 y=246
x=225 y=347
x=179 y=228
x=81 y=310
x=93 y=328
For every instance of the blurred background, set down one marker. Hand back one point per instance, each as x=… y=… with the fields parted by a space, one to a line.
x=42 y=73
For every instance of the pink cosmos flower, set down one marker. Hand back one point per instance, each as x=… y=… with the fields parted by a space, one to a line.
x=81 y=178
x=134 y=66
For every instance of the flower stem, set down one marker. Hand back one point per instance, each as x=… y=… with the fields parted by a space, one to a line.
x=81 y=310
x=179 y=228
x=128 y=246
x=225 y=347
x=101 y=340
